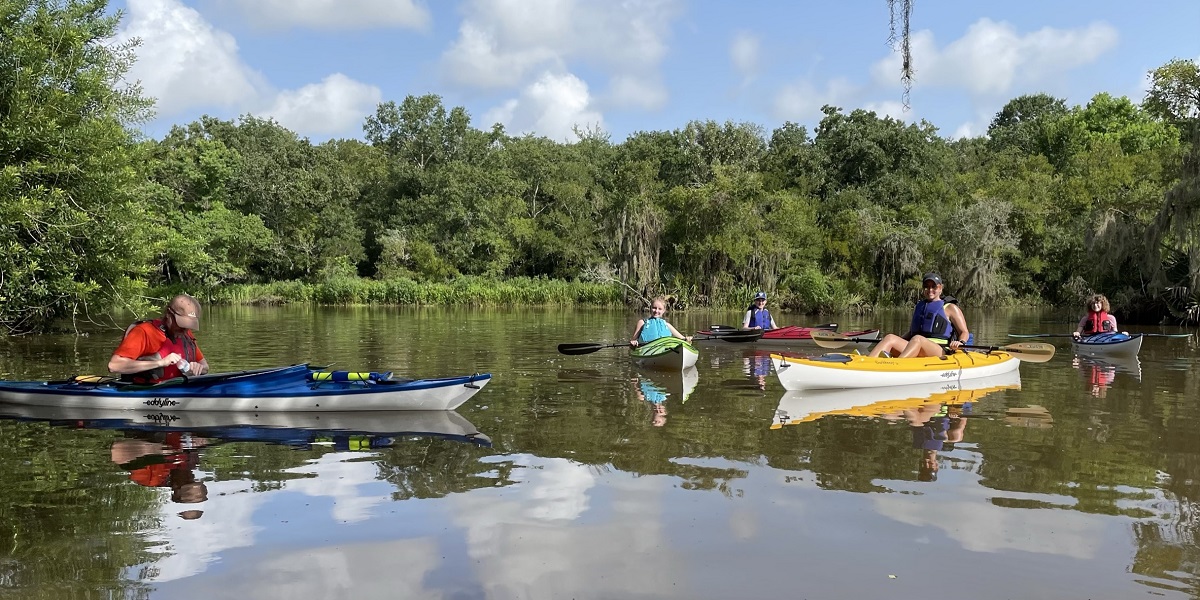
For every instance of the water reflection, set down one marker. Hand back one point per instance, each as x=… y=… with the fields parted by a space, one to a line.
x=936 y=414
x=1100 y=373
x=757 y=364
x=655 y=387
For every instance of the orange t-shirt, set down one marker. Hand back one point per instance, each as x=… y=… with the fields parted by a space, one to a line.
x=145 y=339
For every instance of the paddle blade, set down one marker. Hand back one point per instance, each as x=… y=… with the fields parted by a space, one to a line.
x=742 y=337
x=1035 y=352
x=583 y=348
x=830 y=339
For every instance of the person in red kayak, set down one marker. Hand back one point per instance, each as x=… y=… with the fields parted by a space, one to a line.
x=757 y=315
x=163 y=348
x=936 y=326
x=1097 y=319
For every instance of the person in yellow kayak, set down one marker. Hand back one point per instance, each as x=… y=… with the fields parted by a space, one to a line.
x=163 y=348
x=1097 y=320
x=936 y=326
x=757 y=315
x=655 y=326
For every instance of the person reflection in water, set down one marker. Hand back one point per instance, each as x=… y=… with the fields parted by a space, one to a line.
x=165 y=460
x=1099 y=377
x=758 y=367
x=655 y=396
x=934 y=427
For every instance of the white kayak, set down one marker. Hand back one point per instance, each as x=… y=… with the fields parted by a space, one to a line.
x=665 y=354
x=1108 y=344
x=831 y=371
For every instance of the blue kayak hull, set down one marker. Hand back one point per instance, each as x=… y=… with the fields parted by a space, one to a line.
x=267 y=390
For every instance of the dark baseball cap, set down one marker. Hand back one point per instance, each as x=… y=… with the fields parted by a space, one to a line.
x=762 y=295
x=934 y=277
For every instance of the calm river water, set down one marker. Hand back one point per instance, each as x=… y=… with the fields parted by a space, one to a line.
x=1079 y=480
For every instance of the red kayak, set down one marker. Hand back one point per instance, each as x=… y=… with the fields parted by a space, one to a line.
x=792 y=335
x=803 y=335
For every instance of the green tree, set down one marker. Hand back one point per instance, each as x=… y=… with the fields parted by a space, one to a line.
x=71 y=238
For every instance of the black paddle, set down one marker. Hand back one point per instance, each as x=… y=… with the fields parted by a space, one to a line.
x=1027 y=351
x=586 y=348
x=1067 y=335
x=739 y=336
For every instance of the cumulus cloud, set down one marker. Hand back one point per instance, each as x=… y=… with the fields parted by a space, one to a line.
x=336 y=104
x=184 y=61
x=744 y=52
x=992 y=59
x=333 y=14
x=801 y=101
x=647 y=93
x=186 y=64
x=551 y=106
x=504 y=43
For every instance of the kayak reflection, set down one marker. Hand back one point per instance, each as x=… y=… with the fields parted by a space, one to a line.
x=655 y=387
x=935 y=413
x=1100 y=373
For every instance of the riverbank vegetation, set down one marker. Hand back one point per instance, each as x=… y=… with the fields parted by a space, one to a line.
x=1055 y=201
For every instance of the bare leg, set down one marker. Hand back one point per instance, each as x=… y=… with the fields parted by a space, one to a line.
x=891 y=343
x=921 y=346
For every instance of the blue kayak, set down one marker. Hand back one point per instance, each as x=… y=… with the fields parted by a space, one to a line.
x=1108 y=344
x=290 y=388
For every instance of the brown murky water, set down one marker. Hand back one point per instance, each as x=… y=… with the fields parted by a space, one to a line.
x=1077 y=479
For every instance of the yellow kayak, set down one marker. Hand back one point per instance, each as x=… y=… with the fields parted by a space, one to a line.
x=833 y=371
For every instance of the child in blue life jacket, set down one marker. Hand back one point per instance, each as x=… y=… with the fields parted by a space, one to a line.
x=757 y=315
x=654 y=326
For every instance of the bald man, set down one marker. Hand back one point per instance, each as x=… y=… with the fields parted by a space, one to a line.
x=163 y=348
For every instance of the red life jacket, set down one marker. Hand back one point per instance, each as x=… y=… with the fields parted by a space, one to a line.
x=184 y=345
x=1097 y=322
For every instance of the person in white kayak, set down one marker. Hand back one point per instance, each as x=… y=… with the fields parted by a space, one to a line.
x=757 y=316
x=1097 y=319
x=655 y=326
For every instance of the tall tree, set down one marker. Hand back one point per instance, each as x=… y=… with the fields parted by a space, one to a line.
x=70 y=222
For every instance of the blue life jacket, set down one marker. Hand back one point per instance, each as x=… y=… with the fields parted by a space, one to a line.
x=652 y=329
x=759 y=318
x=930 y=320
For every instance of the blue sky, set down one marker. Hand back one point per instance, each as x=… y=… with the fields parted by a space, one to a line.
x=320 y=67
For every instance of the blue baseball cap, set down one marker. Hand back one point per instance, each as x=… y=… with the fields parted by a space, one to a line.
x=760 y=294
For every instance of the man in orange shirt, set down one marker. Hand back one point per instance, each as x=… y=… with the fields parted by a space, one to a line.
x=163 y=348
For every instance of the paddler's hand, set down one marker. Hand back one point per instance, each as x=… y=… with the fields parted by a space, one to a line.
x=955 y=344
x=169 y=359
x=687 y=338
x=1075 y=334
x=633 y=343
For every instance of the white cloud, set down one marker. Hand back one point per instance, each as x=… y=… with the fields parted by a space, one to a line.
x=551 y=106
x=333 y=14
x=891 y=108
x=184 y=62
x=336 y=105
x=801 y=101
x=503 y=43
x=744 y=52
x=992 y=59
x=645 y=93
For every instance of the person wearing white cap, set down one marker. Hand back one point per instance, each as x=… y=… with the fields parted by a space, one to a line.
x=163 y=348
x=936 y=326
x=757 y=315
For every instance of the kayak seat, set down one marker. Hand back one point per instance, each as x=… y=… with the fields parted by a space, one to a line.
x=838 y=358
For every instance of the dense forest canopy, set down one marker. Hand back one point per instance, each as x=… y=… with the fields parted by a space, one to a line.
x=1055 y=201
